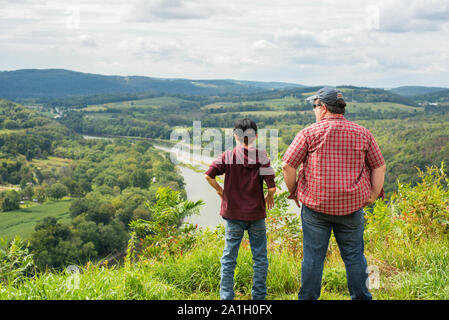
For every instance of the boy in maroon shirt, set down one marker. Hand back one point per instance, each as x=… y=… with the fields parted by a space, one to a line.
x=244 y=206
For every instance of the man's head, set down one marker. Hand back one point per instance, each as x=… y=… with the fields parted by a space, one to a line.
x=327 y=101
x=245 y=131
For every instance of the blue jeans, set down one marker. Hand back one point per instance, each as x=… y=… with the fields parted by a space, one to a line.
x=348 y=231
x=234 y=230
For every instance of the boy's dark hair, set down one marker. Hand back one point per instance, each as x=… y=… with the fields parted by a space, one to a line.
x=245 y=129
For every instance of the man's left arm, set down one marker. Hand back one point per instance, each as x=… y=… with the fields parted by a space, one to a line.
x=377 y=165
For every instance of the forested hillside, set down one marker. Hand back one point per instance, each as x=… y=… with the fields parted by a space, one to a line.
x=38 y=83
x=107 y=182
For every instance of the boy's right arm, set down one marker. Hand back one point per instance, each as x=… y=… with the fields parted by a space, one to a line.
x=216 y=168
x=214 y=184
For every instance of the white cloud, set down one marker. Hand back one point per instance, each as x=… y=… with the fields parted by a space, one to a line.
x=87 y=40
x=150 y=10
x=145 y=47
x=413 y=16
x=263 y=44
x=298 y=38
x=368 y=42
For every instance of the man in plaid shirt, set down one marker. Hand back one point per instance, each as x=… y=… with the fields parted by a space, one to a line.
x=341 y=170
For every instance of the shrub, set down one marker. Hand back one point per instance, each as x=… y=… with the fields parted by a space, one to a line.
x=161 y=236
x=415 y=212
x=15 y=261
x=10 y=200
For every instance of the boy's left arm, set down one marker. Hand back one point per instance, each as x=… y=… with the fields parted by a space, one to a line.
x=269 y=198
x=268 y=174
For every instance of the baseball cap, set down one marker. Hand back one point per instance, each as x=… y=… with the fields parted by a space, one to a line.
x=328 y=95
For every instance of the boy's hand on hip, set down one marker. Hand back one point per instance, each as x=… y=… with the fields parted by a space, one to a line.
x=220 y=192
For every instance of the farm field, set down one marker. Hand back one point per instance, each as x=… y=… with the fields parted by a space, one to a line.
x=282 y=102
x=51 y=162
x=151 y=103
x=381 y=106
x=21 y=222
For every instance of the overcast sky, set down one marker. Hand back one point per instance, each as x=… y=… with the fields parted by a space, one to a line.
x=384 y=43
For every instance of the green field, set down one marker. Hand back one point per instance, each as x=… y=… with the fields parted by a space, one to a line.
x=9 y=131
x=267 y=113
x=151 y=103
x=269 y=103
x=381 y=106
x=51 y=162
x=21 y=222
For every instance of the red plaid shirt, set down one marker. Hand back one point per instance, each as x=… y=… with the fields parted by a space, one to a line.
x=336 y=158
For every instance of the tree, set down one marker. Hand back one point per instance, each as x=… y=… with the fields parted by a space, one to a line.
x=10 y=201
x=40 y=194
x=54 y=244
x=28 y=192
x=10 y=124
x=140 y=179
x=57 y=191
x=71 y=185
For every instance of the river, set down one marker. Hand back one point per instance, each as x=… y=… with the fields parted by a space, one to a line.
x=197 y=188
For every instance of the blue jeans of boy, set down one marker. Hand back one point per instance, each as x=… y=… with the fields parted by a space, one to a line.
x=234 y=230
x=348 y=231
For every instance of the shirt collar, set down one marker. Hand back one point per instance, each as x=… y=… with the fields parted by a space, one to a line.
x=334 y=117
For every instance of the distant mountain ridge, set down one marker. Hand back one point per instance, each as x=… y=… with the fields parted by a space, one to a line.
x=57 y=83
x=409 y=91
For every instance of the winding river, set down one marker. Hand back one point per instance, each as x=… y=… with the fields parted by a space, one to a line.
x=197 y=188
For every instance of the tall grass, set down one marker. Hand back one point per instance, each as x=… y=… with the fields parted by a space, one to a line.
x=406 y=239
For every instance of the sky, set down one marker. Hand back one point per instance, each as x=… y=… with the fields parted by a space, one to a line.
x=373 y=43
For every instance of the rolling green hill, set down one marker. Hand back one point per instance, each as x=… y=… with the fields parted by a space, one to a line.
x=409 y=91
x=440 y=97
x=37 y=83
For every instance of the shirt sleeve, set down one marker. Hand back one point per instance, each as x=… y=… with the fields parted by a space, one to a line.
x=297 y=151
x=217 y=168
x=374 y=156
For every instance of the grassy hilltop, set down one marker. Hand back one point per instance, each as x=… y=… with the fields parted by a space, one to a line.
x=405 y=241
